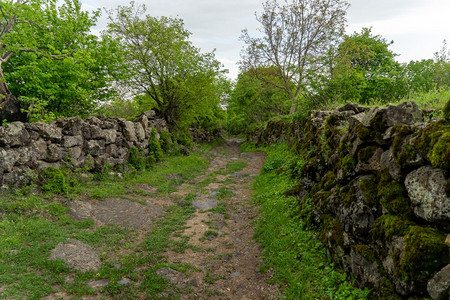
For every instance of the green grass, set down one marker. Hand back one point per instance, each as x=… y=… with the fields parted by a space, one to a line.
x=232 y=167
x=33 y=223
x=298 y=260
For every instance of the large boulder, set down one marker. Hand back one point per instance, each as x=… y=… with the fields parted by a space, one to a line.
x=380 y=118
x=427 y=190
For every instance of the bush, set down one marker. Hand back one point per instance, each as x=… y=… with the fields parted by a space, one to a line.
x=57 y=180
x=154 y=146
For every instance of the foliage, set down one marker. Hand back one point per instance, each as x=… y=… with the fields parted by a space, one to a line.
x=254 y=101
x=295 y=38
x=56 y=181
x=298 y=260
x=162 y=63
x=366 y=71
x=51 y=61
x=154 y=147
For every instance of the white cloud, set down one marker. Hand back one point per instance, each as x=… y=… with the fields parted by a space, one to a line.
x=417 y=27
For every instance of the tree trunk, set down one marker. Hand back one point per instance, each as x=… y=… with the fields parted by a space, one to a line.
x=10 y=106
x=293 y=108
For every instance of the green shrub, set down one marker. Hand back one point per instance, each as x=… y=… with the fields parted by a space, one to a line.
x=154 y=147
x=136 y=159
x=165 y=140
x=57 y=180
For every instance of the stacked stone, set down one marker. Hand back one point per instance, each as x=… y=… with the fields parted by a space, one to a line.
x=378 y=183
x=26 y=148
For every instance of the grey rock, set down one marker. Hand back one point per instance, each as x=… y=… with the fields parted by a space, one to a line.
x=172 y=276
x=39 y=149
x=75 y=152
x=54 y=153
x=14 y=134
x=388 y=161
x=140 y=132
x=124 y=212
x=124 y=281
x=439 y=286
x=427 y=190
x=110 y=136
x=49 y=132
x=381 y=118
x=71 y=126
x=373 y=164
x=205 y=204
x=45 y=165
x=9 y=159
x=357 y=218
x=128 y=130
x=78 y=255
x=235 y=274
x=365 y=271
x=69 y=141
x=95 y=284
x=17 y=178
x=95 y=147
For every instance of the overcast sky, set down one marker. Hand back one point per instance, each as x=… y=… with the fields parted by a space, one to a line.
x=417 y=27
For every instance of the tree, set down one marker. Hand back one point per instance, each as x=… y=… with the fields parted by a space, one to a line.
x=49 y=59
x=420 y=75
x=295 y=37
x=365 y=70
x=442 y=67
x=254 y=101
x=164 y=65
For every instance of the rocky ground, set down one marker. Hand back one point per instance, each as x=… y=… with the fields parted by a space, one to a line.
x=224 y=258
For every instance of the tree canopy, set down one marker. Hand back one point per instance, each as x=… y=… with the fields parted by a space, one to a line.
x=164 y=65
x=365 y=70
x=295 y=37
x=50 y=61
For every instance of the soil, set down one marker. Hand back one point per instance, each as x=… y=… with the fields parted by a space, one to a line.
x=227 y=267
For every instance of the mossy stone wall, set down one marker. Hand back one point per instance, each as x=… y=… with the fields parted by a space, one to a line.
x=378 y=181
x=27 y=148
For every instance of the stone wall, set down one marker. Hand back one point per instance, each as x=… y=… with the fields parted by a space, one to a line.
x=28 y=147
x=375 y=183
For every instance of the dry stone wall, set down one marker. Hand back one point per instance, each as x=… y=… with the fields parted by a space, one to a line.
x=376 y=184
x=26 y=148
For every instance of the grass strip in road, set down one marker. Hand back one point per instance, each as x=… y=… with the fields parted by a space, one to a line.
x=298 y=260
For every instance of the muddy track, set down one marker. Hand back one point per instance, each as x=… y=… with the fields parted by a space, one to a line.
x=230 y=267
x=224 y=258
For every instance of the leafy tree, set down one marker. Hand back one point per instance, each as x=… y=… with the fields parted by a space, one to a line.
x=254 y=100
x=49 y=59
x=441 y=75
x=420 y=75
x=295 y=38
x=164 y=65
x=365 y=70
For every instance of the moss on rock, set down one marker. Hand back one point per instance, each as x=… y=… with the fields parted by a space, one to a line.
x=366 y=153
x=422 y=256
x=393 y=195
x=439 y=155
x=369 y=188
x=433 y=142
x=446 y=111
x=387 y=226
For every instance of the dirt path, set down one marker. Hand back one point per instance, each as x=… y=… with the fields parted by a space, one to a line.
x=229 y=268
x=222 y=256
